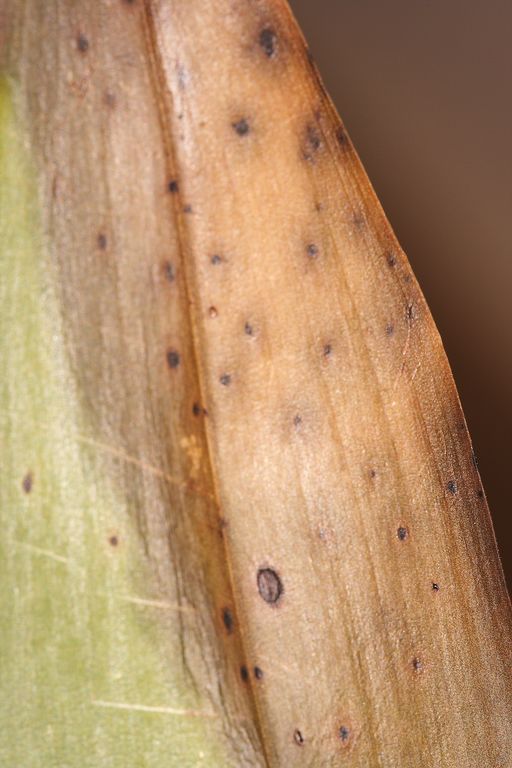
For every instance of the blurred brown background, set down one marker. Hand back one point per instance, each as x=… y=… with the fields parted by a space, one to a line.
x=424 y=89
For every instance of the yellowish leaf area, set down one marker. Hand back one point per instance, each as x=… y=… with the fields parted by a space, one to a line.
x=90 y=662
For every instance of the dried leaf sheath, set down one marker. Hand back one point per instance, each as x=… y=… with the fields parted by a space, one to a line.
x=239 y=316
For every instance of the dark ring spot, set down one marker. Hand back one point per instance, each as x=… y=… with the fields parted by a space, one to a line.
x=258 y=673
x=270 y=585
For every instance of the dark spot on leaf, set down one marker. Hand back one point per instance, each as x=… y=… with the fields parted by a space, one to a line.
x=411 y=312
x=270 y=585
x=82 y=43
x=373 y=473
x=102 y=241
x=173 y=358
x=312 y=250
x=227 y=618
x=241 y=127
x=435 y=586
x=169 y=272
x=417 y=665
x=173 y=186
x=327 y=350
x=341 y=137
x=216 y=259
x=225 y=379
x=27 y=482
x=248 y=329
x=402 y=533
x=358 y=220
x=451 y=486
x=312 y=142
x=298 y=738
x=244 y=673
x=391 y=259
x=344 y=733
x=187 y=208
x=213 y=312
x=109 y=99
x=474 y=460
x=267 y=41
x=390 y=329
x=297 y=420
x=258 y=673
x=113 y=541
x=197 y=410
x=480 y=494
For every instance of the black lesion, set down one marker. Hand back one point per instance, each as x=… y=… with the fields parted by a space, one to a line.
x=241 y=127
x=312 y=142
x=268 y=42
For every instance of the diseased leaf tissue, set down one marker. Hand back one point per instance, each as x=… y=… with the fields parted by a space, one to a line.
x=241 y=520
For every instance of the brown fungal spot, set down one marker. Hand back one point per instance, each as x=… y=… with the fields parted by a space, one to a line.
x=298 y=738
x=227 y=618
x=187 y=208
x=27 y=482
x=451 y=487
x=169 y=272
x=341 y=137
x=244 y=673
x=411 y=312
x=402 y=533
x=358 y=220
x=102 y=241
x=82 y=43
x=270 y=585
x=327 y=351
x=373 y=473
x=109 y=99
x=196 y=409
x=268 y=41
x=390 y=329
x=312 y=250
x=225 y=379
x=173 y=186
x=344 y=733
x=213 y=312
x=173 y=358
x=241 y=127
x=480 y=493
x=297 y=421
x=391 y=259
x=312 y=142
x=113 y=541
x=248 y=329
x=258 y=673
x=417 y=665
x=435 y=586
x=474 y=459
x=216 y=259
